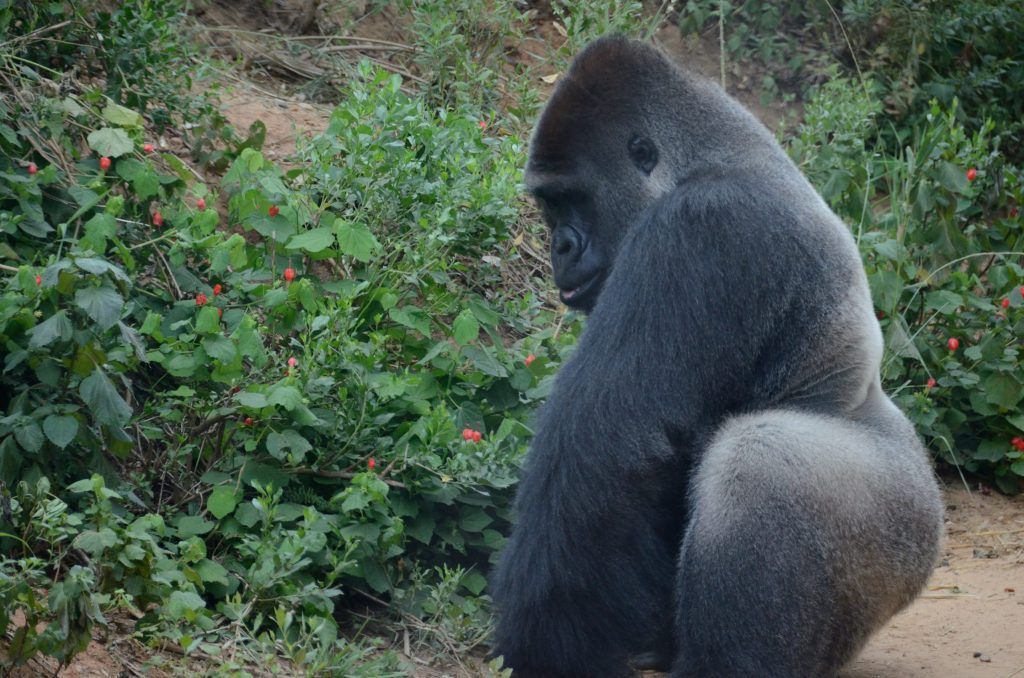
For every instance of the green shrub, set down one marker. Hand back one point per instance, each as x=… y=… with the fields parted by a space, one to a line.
x=942 y=242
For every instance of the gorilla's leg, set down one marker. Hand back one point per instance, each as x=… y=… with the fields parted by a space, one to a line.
x=807 y=533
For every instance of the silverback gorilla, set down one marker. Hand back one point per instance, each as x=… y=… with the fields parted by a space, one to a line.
x=718 y=485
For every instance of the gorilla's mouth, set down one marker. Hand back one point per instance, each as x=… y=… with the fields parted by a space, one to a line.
x=579 y=296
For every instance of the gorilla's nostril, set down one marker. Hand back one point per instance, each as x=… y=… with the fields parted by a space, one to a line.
x=563 y=246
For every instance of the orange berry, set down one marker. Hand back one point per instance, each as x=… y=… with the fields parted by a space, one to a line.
x=289 y=274
x=477 y=436
x=529 y=359
x=148 y=148
x=972 y=174
x=217 y=289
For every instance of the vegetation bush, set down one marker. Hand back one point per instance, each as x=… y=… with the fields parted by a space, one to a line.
x=240 y=398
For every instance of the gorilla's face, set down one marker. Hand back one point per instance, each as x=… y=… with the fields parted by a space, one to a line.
x=589 y=205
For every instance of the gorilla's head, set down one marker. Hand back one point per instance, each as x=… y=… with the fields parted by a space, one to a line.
x=623 y=128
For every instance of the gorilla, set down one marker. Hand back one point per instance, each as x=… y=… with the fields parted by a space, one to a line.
x=718 y=485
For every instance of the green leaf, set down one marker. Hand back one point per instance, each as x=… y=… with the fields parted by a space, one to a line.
x=356 y=240
x=144 y=180
x=474 y=519
x=220 y=348
x=103 y=400
x=212 y=572
x=465 y=328
x=1002 y=390
x=190 y=526
x=102 y=304
x=222 y=501
x=121 y=116
x=61 y=430
x=952 y=177
x=1017 y=420
x=56 y=326
x=485 y=362
x=183 y=605
x=96 y=542
x=252 y=399
x=287 y=439
x=411 y=317
x=474 y=582
x=110 y=141
x=287 y=397
x=99 y=267
x=98 y=230
x=30 y=437
x=207 y=320
x=312 y=241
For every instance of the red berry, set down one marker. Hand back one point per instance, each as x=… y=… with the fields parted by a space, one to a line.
x=1014 y=211
x=39 y=280
x=148 y=148
x=248 y=421
x=953 y=343
x=880 y=314
x=1005 y=303
x=529 y=359
x=972 y=174
x=158 y=219
x=931 y=382
x=220 y=313
x=201 y=204
x=217 y=289
x=483 y=124
x=1022 y=291
x=200 y=299
x=32 y=169
x=292 y=362
x=289 y=274
x=371 y=463
x=477 y=436
x=273 y=211
x=467 y=434
x=104 y=163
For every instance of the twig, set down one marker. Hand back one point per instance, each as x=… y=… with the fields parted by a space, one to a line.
x=341 y=474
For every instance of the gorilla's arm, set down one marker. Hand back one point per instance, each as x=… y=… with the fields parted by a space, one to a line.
x=678 y=339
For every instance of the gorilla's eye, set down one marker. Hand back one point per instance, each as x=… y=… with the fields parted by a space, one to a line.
x=644 y=153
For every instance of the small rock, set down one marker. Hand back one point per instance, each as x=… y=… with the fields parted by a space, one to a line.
x=985 y=658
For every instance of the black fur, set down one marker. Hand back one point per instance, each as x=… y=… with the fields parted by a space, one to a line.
x=678 y=503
